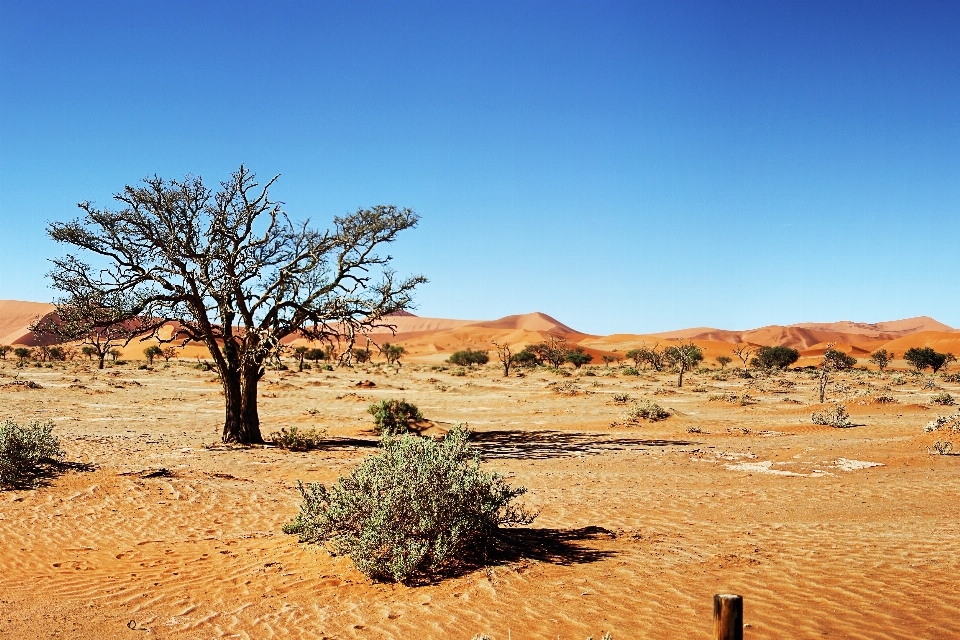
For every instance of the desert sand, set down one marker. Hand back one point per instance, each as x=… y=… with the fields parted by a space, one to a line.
x=158 y=530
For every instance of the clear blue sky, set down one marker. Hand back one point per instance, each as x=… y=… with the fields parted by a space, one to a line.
x=624 y=167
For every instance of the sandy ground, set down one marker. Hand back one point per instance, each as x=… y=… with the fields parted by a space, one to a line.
x=639 y=526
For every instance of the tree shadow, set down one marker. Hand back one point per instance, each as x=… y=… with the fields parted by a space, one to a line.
x=44 y=473
x=539 y=445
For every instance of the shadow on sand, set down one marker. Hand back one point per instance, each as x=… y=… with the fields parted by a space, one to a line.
x=534 y=445
x=556 y=546
x=46 y=472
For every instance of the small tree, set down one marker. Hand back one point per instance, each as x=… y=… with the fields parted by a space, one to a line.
x=950 y=358
x=578 y=357
x=115 y=354
x=300 y=353
x=505 y=357
x=168 y=352
x=57 y=353
x=392 y=353
x=4 y=350
x=394 y=416
x=87 y=351
x=744 y=351
x=469 y=357
x=153 y=351
x=553 y=350
x=775 y=357
x=833 y=360
x=92 y=318
x=607 y=359
x=316 y=355
x=22 y=354
x=525 y=358
x=362 y=355
x=724 y=361
x=881 y=358
x=683 y=357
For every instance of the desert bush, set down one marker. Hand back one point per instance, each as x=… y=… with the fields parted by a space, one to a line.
x=578 y=357
x=621 y=398
x=952 y=423
x=942 y=447
x=647 y=410
x=416 y=508
x=25 y=451
x=629 y=371
x=469 y=357
x=394 y=416
x=459 y=372
x=775 y=357
x=297 y=439
x=565 y=388
x=942 y=398
x=951 y=377
x=742 y=399
x=837 y=417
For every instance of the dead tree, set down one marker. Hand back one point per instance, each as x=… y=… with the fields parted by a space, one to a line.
x=505 y=356
x=231 y=270
x=744 y=351
x=96 y=321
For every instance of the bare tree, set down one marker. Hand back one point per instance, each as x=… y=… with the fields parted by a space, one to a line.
x=744 y=351
x=94 y=318
x=684 y=356
x=229 y=269
x=505 y=356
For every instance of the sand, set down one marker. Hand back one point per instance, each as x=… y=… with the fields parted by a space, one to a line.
x=841 y=533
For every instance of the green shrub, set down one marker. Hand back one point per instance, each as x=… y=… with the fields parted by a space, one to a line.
x=469 y=357
x=621 y=398
x=25 y=451
x=629 y=371
x=775 y=357
x=394 y=416
x=416 y=508
x=459 y=372
x=297 y=439
x=942 y=398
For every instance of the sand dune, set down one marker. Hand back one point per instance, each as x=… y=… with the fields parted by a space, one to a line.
x=15 y=318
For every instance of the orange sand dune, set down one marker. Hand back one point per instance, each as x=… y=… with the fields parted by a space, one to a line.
x=902 y=327
x=942 y=341
x=529 y=322
x=15 y=318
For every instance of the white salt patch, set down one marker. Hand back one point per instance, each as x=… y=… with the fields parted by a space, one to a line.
x=854 y=465
x=760 y=467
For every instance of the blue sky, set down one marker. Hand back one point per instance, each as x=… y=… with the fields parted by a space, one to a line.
x=624 y=167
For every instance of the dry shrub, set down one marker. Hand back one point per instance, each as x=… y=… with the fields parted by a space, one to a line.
x=837 y=417
x=646 y=410
x=416 y=508
x=26 y=451
x=296 y=439
x=742 y=399
x=394 y=416
x=943 y=398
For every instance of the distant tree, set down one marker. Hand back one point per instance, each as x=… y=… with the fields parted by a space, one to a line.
x=724 y=361
x=881 y=358
x=653 y=356
x=93 y=319
x=744 y=351
x=392 y=353
x=578 y=357
x=683 y=357
x=925 y=357
x=775 y=357
x=607 y=359
x=637 y=355
x=553 y=350
x=168 y=352
x=153 y=351
x=525 y=358
x=88 y=351
x=4 y=350
x=469 y=357
x=115 y=354
x=300 y=352
x=950 y=358
x=362 y=355
x=57 y=353
x=316 y=354
x=833 y=360
x=22 y=354
x=505 y=356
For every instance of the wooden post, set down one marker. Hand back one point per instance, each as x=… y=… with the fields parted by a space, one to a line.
x=727 y=617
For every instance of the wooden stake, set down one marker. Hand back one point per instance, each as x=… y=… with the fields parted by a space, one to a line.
x=727 y=617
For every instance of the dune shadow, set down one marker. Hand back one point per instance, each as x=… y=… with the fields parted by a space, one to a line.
x=45 y=473
x=533 y=445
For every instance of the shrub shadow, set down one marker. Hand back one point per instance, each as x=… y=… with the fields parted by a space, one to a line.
x=533 y=445
x=556 y=546
x=45 y=473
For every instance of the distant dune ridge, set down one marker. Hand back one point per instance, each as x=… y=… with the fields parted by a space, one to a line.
x=432 y=338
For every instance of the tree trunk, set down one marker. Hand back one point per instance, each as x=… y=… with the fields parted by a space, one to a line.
x=232 y=401
x=249 y=417
x=102 y=356
x=680 y=381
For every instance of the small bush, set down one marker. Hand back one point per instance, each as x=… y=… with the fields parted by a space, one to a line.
x=459 y=372
x=25 y=451
x=942 y=398
x=942 y=447
x=621 y=398
x=417 y=507
x=742 y=399
x=296 y=439
x=394 y=416
x=838 y=417
x=647 y=410
x=629 y=371
x=950 y=422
